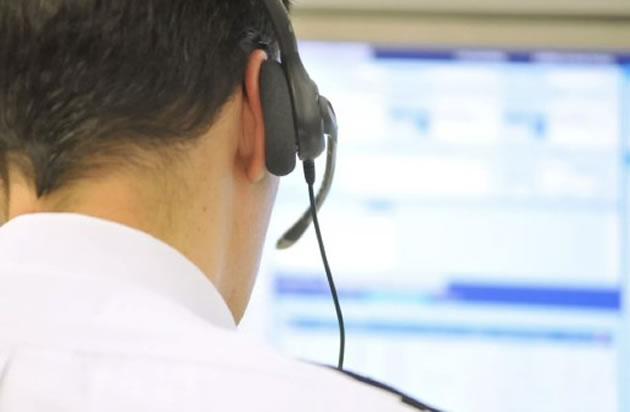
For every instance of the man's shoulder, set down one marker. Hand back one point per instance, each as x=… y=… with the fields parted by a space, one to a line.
x=233 y=376
x=404 y=398
x=148 y=354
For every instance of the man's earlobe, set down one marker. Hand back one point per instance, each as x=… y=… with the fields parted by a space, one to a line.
x=252 y=150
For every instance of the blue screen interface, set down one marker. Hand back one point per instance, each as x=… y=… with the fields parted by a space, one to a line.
x=478 y=228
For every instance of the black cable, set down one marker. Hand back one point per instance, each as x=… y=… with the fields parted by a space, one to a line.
x=309 y=174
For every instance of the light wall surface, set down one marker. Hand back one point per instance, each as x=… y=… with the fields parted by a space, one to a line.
x=613 y=8
x=406 y=25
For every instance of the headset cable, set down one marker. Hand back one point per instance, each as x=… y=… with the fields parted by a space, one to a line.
x=309 y=175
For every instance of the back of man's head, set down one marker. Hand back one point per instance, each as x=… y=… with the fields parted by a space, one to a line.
x=81 y=79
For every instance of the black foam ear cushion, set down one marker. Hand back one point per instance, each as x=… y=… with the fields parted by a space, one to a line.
x=280 y=139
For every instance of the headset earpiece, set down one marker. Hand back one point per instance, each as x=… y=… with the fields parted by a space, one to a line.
x=280 y=139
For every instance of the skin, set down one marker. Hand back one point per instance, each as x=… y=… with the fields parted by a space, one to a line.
x=213 y=204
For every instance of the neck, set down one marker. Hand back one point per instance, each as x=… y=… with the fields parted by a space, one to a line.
x=146 y=203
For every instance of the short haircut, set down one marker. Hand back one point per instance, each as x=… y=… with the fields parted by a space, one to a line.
x=82 y=78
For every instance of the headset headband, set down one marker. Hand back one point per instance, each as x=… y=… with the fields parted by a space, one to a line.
x=282 y=26
x=303 y=91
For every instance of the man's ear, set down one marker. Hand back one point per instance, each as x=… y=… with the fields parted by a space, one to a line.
x=252 y=145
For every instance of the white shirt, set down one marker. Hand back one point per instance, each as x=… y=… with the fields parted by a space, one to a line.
x=96 y=316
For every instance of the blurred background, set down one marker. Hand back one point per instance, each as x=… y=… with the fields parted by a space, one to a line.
x=478 y=229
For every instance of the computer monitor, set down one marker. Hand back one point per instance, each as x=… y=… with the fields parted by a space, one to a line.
x=478 y=228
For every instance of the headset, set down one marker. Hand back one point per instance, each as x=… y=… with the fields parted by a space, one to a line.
x=299 y=123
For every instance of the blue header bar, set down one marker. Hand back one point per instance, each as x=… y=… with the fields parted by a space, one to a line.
x=600 y=298
x=605 y=299
x=503 y=56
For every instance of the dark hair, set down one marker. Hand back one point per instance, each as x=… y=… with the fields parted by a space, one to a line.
x=82 y=78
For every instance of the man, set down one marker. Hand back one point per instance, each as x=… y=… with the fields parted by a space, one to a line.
x=136 y=202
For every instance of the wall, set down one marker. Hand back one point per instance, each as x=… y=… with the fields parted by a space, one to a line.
x=540 y=7
x=433 y=28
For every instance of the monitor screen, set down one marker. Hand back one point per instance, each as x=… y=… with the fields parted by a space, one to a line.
x=477 y=228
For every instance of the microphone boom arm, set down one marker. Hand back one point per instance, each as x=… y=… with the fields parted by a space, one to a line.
x=330 y=129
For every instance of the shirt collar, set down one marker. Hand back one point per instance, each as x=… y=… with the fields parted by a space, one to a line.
x=87 y=246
